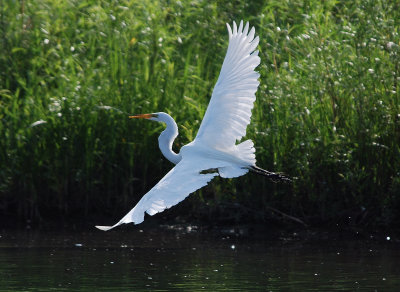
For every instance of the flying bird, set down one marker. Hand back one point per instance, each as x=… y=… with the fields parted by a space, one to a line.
x=214 y=151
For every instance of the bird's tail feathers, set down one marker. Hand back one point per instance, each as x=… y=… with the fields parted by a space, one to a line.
x=247 y=151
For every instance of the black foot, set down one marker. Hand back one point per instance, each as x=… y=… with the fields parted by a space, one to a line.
x=275 y=177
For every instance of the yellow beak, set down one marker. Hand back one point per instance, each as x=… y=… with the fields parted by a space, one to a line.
x=141 y=116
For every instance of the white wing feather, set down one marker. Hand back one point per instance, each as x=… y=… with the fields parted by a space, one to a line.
x=174 y=187
x=229 y=110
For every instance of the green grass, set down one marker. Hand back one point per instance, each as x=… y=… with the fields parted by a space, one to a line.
x=327 y=110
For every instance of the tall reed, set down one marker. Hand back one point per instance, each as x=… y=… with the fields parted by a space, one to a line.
x=327 y=111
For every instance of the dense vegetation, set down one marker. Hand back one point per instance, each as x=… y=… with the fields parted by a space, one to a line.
x=327 y=110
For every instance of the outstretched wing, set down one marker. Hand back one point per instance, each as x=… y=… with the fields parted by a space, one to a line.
x=229 y=110
x=174 y=187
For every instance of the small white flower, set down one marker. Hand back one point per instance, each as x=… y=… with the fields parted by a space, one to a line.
x=72 y=49
x=105 y=107
x=389 y=45
x=46 y=41
x=371 y=71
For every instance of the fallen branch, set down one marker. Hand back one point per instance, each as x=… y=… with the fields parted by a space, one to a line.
x=288 y=216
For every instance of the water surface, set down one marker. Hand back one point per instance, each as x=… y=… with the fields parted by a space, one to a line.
x=183 y=260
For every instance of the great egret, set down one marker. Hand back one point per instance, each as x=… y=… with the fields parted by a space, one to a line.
x=214 y=150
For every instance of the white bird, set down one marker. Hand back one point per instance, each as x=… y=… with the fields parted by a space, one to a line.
x=214 y=150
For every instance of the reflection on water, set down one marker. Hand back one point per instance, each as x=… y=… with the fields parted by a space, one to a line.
x=165 y=260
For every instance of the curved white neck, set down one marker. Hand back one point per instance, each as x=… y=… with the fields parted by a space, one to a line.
x=167 y=137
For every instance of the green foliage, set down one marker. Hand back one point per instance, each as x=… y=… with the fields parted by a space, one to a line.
x=327 y=111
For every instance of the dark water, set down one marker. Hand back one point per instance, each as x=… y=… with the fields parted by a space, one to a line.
x=171 y=260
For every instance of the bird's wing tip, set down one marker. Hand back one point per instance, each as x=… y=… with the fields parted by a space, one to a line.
x=104 y=228
x=229 y=30
x=240 y=29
